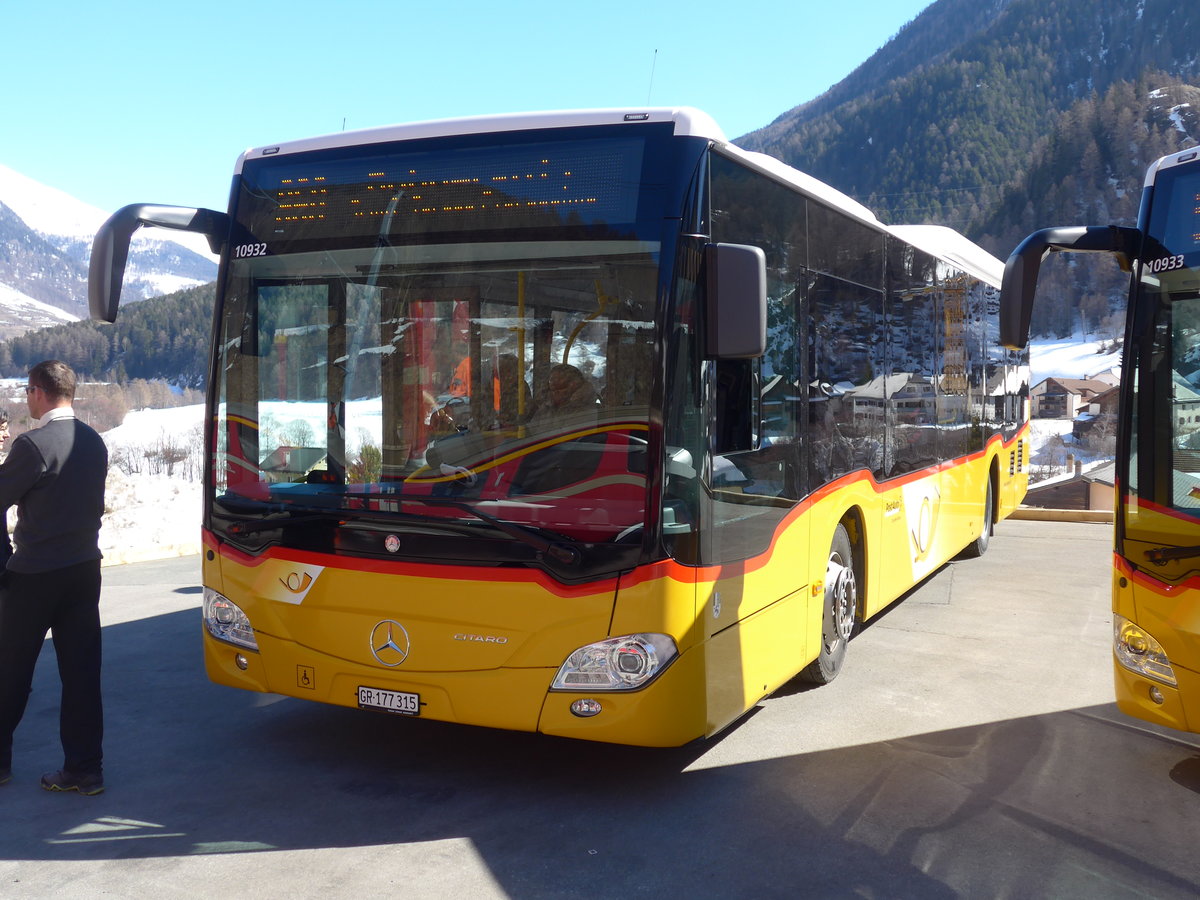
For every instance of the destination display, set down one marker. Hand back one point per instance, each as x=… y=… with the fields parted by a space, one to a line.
x=1179 y=236
x=460 y=189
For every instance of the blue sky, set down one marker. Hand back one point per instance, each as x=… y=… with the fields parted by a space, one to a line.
x=123 y=102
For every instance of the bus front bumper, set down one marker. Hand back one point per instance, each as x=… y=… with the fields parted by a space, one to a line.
x=1150 y=700
x=668 y=712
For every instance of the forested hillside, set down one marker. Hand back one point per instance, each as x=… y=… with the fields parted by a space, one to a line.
x=935 y=126
x=1089 y=170
x=1090 y=167
x=165 y=338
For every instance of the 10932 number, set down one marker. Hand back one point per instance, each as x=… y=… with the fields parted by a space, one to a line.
x=245 y=251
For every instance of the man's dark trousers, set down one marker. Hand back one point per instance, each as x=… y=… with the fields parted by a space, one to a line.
x=65 y=602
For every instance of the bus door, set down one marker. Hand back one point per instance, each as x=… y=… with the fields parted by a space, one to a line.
x=756 y=541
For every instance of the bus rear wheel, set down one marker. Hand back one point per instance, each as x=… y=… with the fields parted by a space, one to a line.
x=841 y=611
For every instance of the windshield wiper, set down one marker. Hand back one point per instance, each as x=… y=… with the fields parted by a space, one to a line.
x=559 y=551
x=300 y=515
x=1160 y=556
x=268 y=524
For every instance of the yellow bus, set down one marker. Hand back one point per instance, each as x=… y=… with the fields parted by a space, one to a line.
x=1156 y=559
x=584 y=423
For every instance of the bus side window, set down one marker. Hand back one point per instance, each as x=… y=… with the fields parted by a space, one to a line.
x=735 y=405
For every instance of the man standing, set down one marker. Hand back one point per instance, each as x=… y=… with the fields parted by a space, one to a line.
x=55 y=476
x=5 y=542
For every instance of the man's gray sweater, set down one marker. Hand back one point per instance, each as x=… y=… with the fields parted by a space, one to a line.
x=55 y=476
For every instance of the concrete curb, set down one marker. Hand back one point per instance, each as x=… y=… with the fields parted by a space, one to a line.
x=1100 y=516
x=114 y=557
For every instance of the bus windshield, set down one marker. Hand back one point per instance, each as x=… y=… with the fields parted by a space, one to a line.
x=443 y=336
x=1165 y=423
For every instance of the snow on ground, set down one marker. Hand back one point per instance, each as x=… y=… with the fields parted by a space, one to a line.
x=151 y=515
x=1043 y=450
x=146 y=427
x=1075 y=357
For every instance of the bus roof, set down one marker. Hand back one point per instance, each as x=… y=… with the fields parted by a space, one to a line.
x=814 y=187
x=946 y=243
x=688 y=122
x=936 y=240
x=1168 y=161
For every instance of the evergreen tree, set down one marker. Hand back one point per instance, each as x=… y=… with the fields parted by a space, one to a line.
x=164 y=339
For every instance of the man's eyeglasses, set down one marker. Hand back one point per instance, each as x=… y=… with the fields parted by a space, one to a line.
x=30 y=388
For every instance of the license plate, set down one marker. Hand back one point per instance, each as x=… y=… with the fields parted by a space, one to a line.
x=398 y=702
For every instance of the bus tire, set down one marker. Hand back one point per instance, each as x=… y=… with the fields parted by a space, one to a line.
x=840 y=612
x=979 y=546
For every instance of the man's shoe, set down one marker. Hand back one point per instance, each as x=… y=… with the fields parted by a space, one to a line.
x=5 y=776
x=87 y=783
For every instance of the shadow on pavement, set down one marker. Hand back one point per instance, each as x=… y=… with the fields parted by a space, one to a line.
x=1077 y=803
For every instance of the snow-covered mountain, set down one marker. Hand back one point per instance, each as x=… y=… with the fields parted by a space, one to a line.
x=46 y=240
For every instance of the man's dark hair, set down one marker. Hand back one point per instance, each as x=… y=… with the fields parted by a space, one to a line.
x=55 y=378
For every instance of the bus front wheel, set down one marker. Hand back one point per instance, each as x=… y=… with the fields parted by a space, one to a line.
x=979 y=546
x=841 y=610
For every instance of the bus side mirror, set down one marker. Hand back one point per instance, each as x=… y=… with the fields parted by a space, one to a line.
x=110 y=248
x=736 y=311
x=1021 y=270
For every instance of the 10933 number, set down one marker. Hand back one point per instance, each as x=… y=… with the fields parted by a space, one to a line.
x=1166 y=263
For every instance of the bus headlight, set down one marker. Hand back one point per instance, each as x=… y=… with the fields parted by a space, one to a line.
x=617 y=664
x=1138 y=651
x=225 y=621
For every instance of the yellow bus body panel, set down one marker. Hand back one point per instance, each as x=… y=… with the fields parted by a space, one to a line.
x=756 y=656
x=524 y=620
x=1171 y=614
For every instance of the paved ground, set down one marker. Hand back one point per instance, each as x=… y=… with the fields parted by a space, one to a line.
x=970 y=748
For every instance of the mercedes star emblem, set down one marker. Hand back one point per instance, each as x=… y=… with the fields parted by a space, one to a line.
x=389 y=643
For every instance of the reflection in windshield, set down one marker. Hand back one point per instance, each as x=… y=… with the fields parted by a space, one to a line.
x=1185 y=403
x=1165 y=369
x=518 y=385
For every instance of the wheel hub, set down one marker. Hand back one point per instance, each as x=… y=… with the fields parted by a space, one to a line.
x=842 y=599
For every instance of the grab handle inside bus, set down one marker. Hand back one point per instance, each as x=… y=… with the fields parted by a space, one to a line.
x=110 y=248
x=736 y=320
x=1021 y=270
